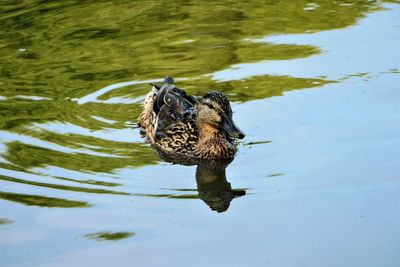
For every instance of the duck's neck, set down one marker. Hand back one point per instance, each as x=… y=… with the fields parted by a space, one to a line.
x=207 y=133
x=212 y=144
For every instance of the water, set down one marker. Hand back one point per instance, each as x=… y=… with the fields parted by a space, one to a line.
x=314 y=85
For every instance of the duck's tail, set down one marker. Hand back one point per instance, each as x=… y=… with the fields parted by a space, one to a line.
x=167 y=80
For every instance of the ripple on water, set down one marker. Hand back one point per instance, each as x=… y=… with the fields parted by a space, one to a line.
x=69 y=138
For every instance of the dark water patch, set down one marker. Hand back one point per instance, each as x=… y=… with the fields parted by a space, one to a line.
x=93 y=33
x=204 y=193
x=109 y=236
x=31 y=56
x=174 y=196
x=184 y=196
x=182 y=189
x=274 y=175
x=257 y=143
x=42 y=201
x=391 y=71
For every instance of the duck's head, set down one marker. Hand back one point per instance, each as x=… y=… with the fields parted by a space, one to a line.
x=214 y=112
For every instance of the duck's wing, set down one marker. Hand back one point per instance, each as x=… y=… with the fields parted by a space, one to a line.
x=176 y=99
x=173 y=107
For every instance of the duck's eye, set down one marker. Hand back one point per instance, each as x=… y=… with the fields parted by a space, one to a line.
x=209 y=105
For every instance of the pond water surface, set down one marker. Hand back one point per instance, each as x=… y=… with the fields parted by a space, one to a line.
x=314 y=85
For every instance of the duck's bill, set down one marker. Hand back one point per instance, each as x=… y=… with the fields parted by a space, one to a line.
x=231 y=129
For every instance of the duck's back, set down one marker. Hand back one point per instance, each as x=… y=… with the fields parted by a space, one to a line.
x=169 y=118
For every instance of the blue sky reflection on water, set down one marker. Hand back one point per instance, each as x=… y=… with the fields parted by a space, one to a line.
x=335 y=147
x=368 y=48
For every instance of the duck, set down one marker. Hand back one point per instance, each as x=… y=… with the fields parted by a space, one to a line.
x=185 y=127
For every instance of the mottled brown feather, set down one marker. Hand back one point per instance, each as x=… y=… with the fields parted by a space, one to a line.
x=181 y=139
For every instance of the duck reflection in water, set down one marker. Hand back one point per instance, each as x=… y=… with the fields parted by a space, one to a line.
x=214 y=189
x=212 y=184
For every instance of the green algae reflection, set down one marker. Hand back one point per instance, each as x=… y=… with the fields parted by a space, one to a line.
x=61 y=187
x=41 y=201
x=4 y=221
x=28 y=156
x=58 y=51
x=109 y=236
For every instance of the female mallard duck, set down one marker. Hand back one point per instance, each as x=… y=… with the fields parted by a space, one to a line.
x=182 y=126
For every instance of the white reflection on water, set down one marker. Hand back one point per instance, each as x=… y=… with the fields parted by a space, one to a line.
x=103 y=119
x=128 y=135
x=93 y=97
